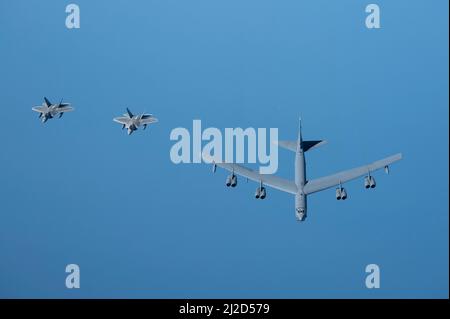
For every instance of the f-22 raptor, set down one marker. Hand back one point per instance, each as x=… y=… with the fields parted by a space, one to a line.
x=131 y=122
x=49 y=110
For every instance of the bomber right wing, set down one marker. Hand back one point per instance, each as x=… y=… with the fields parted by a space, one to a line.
x=323 y=183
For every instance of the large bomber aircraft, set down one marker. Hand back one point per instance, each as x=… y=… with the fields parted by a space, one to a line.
x=300 y=187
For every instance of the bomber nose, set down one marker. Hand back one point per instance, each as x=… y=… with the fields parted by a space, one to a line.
x=301 y=215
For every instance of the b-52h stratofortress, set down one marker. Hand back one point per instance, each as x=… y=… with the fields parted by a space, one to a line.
x=301 y=187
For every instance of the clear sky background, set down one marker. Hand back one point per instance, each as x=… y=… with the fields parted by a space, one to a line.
x=79 y=190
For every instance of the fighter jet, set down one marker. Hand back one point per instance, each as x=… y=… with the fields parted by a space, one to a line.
x=48 y=110
x=301 y=187
x=132 y=122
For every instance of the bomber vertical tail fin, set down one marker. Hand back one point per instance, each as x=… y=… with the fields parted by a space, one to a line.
x=306 y=145
x=309 y=145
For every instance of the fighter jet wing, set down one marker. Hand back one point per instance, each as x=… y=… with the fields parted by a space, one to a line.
x=323 y=183
x=267 y=180
x=122 y=119
x=65 y=108
x=148 y=120
x=40 y=109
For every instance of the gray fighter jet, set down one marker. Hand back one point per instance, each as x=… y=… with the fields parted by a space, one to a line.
x=301 y=187
x=48 y=110
x=132 y=122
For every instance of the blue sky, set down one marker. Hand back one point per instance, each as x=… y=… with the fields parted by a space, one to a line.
x=79 y=190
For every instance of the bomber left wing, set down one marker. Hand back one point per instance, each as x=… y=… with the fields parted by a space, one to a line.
x=266 y=179
x=323 y=183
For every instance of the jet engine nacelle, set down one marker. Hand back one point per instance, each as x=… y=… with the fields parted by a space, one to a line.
x=338 y=193
x=373 y=184
x=366 y=182
x=369 y=182
x=341 y=193
x=260 y=193
x=228 y=181
x=231 y=181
